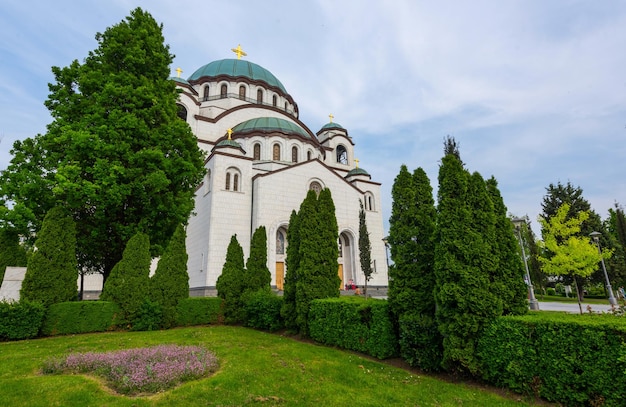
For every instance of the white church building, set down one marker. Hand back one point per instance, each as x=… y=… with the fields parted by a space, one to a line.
x=261 y=162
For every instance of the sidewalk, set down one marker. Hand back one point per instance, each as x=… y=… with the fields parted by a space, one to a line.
x=572 y=307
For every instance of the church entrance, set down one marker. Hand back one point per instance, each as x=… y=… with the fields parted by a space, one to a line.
x=280 y=275
x=346 y=259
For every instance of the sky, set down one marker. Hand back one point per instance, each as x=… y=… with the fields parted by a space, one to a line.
x=533 y=91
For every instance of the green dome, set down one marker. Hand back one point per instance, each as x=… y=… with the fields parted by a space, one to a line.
x=332 y=125
x=237 y=68
x=180 y=80
x=228 y=143
x=357 y=171
x=268 y=124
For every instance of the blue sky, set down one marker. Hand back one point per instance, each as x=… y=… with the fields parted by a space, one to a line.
x=534 y=91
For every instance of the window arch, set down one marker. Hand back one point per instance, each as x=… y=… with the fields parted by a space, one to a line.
x=316 y=186
x=285 y=106
x=233 y=180
x=182 y=111
x=274 y=100
x=242 y=92
x=342 y=155
x=256 y=155
x=207 y=182
x=309 y=155
x=259 y=96
x=280 y=242
x=294 y=154
x=228 y=181
x=223 y=91
x=206 y=93
x=369 y=201
x=276 y=152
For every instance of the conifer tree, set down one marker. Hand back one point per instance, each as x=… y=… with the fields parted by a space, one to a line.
x=52 y=271
x=129 y=283
x=12 y=253
x=365 y=248
x=288 y=310
x=170 y=282
x=230 y=284
x=257 y=275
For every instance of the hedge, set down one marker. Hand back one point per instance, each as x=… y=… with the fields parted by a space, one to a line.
x=199 y=311
x=570 y=359
x=263 y=310
x=20 y=320
x=354 y=323
x=80 y=317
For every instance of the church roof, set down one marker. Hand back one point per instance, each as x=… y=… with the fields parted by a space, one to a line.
x=268 y=124
x=228 y=143
x=357 y=171
x=332 y=125
x=237 y=68
x=181 y=80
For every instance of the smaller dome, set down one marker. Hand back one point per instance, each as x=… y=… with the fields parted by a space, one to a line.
x=180 y=80
x=332 y=125
x=357 y=171
x=269 y=124
x=228 y=143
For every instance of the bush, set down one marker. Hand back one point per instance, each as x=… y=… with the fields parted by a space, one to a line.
x=571 y=359
x=199 y=311
x=550 y=291
x=263 y=310
x=80 y=317
x=20 y=320
x=354 y=323
x=149 y=318
x=421 y=342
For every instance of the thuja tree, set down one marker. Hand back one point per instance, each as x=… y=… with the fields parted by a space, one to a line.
x=508 y=276
x=615 y=225
x=365 y=248
x=52 y=269
x=116 y=154
x=230 y=284
x=12 y=253
x=129 y=283
x=170 y=282
x=257 y=275
x=292 y=260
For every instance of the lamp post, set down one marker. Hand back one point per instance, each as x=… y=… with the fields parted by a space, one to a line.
x=534 y=304
x=596 y=238
x=386 y=242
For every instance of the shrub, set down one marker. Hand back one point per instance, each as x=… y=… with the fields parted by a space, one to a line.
x=550 y=291
x=149 y=318
x=420 y=342
x=80 y=317
x=263 y=310
x=199 y=311
x=354 y=323
x=20 y=320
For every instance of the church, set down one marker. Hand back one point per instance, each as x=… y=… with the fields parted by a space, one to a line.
x=261 y=162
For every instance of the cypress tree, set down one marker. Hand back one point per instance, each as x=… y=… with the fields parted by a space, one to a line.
x=288 y=310
x=230 y=284
x=12 y=253
x=129 y=283
x=365 y=248
x=257 y=275
x=52 y=269
x=170 y=282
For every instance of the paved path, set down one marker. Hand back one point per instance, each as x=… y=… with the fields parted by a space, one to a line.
x=572 y=307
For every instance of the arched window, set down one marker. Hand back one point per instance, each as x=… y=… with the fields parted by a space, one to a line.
x=342 y=155
x=228 y=181
x=274 y=100
x=259 y=96
x=242 y=92
x=280 y=242
x=257 y=152
x=206 y=92
x=316 y=186
x=285 y=106
x=235 y=182
x=309 y=155
x=276 y=152
x=369 y=201
x=224 y=91
x=182 y=111
x=294 y=154
x=207 y=182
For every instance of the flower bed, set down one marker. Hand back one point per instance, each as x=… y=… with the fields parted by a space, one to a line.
x=142 y=370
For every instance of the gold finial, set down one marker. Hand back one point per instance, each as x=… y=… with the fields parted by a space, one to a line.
x=331 y=117
x=179 y=71
x=239 y=51
x=356 y=160
x=230 y=132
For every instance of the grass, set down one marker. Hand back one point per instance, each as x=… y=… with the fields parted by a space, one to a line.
x=256 y=368
x=560 y=298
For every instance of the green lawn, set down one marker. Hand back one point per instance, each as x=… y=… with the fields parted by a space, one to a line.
x=256 y=368
x=560 y=298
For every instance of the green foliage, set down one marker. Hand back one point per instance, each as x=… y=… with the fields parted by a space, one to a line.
x=355 y=324
x=292 y=261
x=230 y=284
x=149 y=317
x=570 y=359
x=263 y=310
x=52 y=271
x=20 y=320
x=170 y=282
x=420 y=342
x=257 y=275
x=80 y=317
x=199 y=311
x=128 y=284
x=12 y=254
x=116 y=154
x=365 y=247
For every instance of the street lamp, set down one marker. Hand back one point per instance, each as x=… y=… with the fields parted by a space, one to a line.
x=534 y=304
x=596 y=238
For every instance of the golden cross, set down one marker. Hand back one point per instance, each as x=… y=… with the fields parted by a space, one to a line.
x=331 y=117
x=356 y=160
x=239 y=51
x=179 y=71
x=230 y=132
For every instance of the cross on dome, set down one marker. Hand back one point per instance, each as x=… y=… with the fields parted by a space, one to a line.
x=179 y=71
x=331 y=117
x=356 y=160
x=239 y=51
x=230 y=132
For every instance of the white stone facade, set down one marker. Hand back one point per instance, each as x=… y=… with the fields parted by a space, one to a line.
x=262 y=172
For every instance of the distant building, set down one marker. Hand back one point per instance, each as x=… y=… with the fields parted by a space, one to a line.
x=262 y=160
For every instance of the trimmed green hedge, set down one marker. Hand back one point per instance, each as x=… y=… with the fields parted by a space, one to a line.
x=20 y=320
x=354 y=323
x=571 y=359
x=263 y=310
x=420 y=342
x=199 y=311
x=80 y=317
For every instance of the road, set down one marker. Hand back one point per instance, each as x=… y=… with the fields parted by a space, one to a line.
x=572 y=307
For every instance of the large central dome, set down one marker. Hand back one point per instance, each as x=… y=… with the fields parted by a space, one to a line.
x=237 y=68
